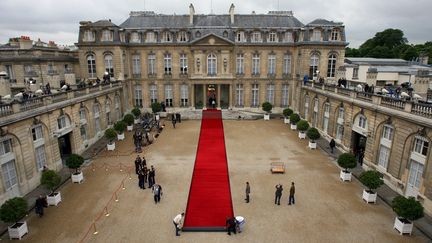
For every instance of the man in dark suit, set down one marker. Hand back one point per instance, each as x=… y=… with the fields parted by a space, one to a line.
x=278 y=194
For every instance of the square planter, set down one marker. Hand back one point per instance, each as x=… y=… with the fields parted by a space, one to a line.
x=77 y=178
x=120 y=136
x=130 y=128
x=54 y=200
x=111 y=147
x=18 y=230
x=293 y=126
x=266 y=117
x=369 y=197
x=302 y=135
x=286 y=120
x=157 y=117
x=345 y=176
x=312 y=145
x=403 y=227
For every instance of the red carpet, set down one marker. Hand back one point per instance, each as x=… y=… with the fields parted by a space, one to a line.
x=209 y=200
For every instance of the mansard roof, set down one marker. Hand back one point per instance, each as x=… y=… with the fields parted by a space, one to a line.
x=103 y=23
x=324 y=22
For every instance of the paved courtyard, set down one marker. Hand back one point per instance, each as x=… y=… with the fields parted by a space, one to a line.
x=326 y=209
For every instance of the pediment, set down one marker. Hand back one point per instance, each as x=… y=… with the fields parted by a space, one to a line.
x=212 y=40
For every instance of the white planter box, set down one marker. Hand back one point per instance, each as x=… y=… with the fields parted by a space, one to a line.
x=78 y=178
x=293 y=127
x=54 y=200
x=136 y=121
x=19 y=232
x=302 y=135
x=369 y=197
x=120 y=136
x=345 y=176
x=266 y=117
x=111 y=147
x=312 y=145
x=157 y=117
x=130 y=128
x=286 y=120
x=403 y=228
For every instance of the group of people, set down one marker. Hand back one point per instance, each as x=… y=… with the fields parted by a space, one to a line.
x=146 y=175
x=278 y=194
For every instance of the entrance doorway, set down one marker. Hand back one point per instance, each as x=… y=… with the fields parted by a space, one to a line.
x=211 y=96
x=358 y=144
x=65 y=147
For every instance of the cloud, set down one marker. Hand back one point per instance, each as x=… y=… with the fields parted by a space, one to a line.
x=58 y=20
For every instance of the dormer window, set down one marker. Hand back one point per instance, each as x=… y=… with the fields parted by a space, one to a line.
x=135 y=37
x=240 y=36
x=89 y=36
x=107 y=35
x=122 y=37
x=182 y=36
x=272 y=37
x=166 y=37
x=316 y=35
x=288 y=37
x=256 y=37
x=334 y=35
x=150 y=37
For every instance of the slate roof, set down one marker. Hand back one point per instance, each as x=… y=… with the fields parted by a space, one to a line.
x=103 y=23
x=324 y=22
x=375 y=61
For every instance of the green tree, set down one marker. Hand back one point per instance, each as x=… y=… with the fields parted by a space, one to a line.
x=13 y=210
x=407 y=208
x=410 y=53
x=74 y=161
x=50 y=179
x=372 y=179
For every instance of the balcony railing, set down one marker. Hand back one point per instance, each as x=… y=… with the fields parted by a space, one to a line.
x=413 y=107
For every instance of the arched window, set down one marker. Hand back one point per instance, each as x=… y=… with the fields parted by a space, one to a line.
x=313 y=66
x=326 y=117
x=340 y=124
x=331 y=67
x=109 y=68
x=417 y=163
x=91 y=66
x=211 y=64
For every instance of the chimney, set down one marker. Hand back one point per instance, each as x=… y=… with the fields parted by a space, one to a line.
x=423 y=58
x=191 y=13
x=25 y=42
x=231 y=12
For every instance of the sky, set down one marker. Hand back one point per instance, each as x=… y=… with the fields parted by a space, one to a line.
x=58 y=20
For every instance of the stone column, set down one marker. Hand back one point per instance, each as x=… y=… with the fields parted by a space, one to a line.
x=218 y=94
x=230 y=95
x=204 y=96
x=192 y=95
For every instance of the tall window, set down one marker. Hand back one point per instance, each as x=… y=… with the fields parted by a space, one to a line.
x=107 y=35
x=355 y=73
x=288 y=37
x=169 y=95
x=326 y=117
x=211 y=64
x=40 y=157
x=167 y=63
x=10 y=72
x=117 y=107
x=421 y=146
x=315 y=113
x=287 y=64
x=166 y=36
x=151 y=64
x=89 y=36
x=306 y=111
x=255 y=95
x=313 y=65
x=153 y=93
x=240 y=64
x=37 y=133
x=183 y=64
x=256 y=37
x=9 y=174
x=184 y=95
x=83 y=123
x=272 y=64
x=109 y=65
x=334 y=35
x=331 y=67
x=62 y=122
x=39 y=145
x=285 y=95
x=362 y=121
x=339 y=124
x=91 y=66
x=272 y=37
x=240 y=36
x=96 y=113
x=138 y=96
x=316 y=35
x=135 y=37
x=150 y=37
x=385 y=146
x=108 y=112
x=270 y=93
x=136 y=65
x=5 y=147
x=182 y=36
x=239 y=95
x=255 y=64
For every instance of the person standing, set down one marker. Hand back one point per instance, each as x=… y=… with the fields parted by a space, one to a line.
x=157 y=192
x=291 y=194
x=141 y=179
x=151 y=176
x=332 y=145
x=39 y=205
x=145 y=171
x=137 y=164
x=230 y=225
x=278 y=194
x=247 y=192
x=178 y=223
x=173 y=120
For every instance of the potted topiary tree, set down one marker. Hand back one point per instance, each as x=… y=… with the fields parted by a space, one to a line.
x=156 y=108
x=110 y=134
x=287 y=113
x=294 y=118
x=129 y=120
x=51 y=180
x=372 y=179
x=302 y=126
x=407 y=210
x=346 y=161
x=11 y=211
x=137 y=113
x=313 y=134
x=267 y=107
x=119 y=127
x=74 y=162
